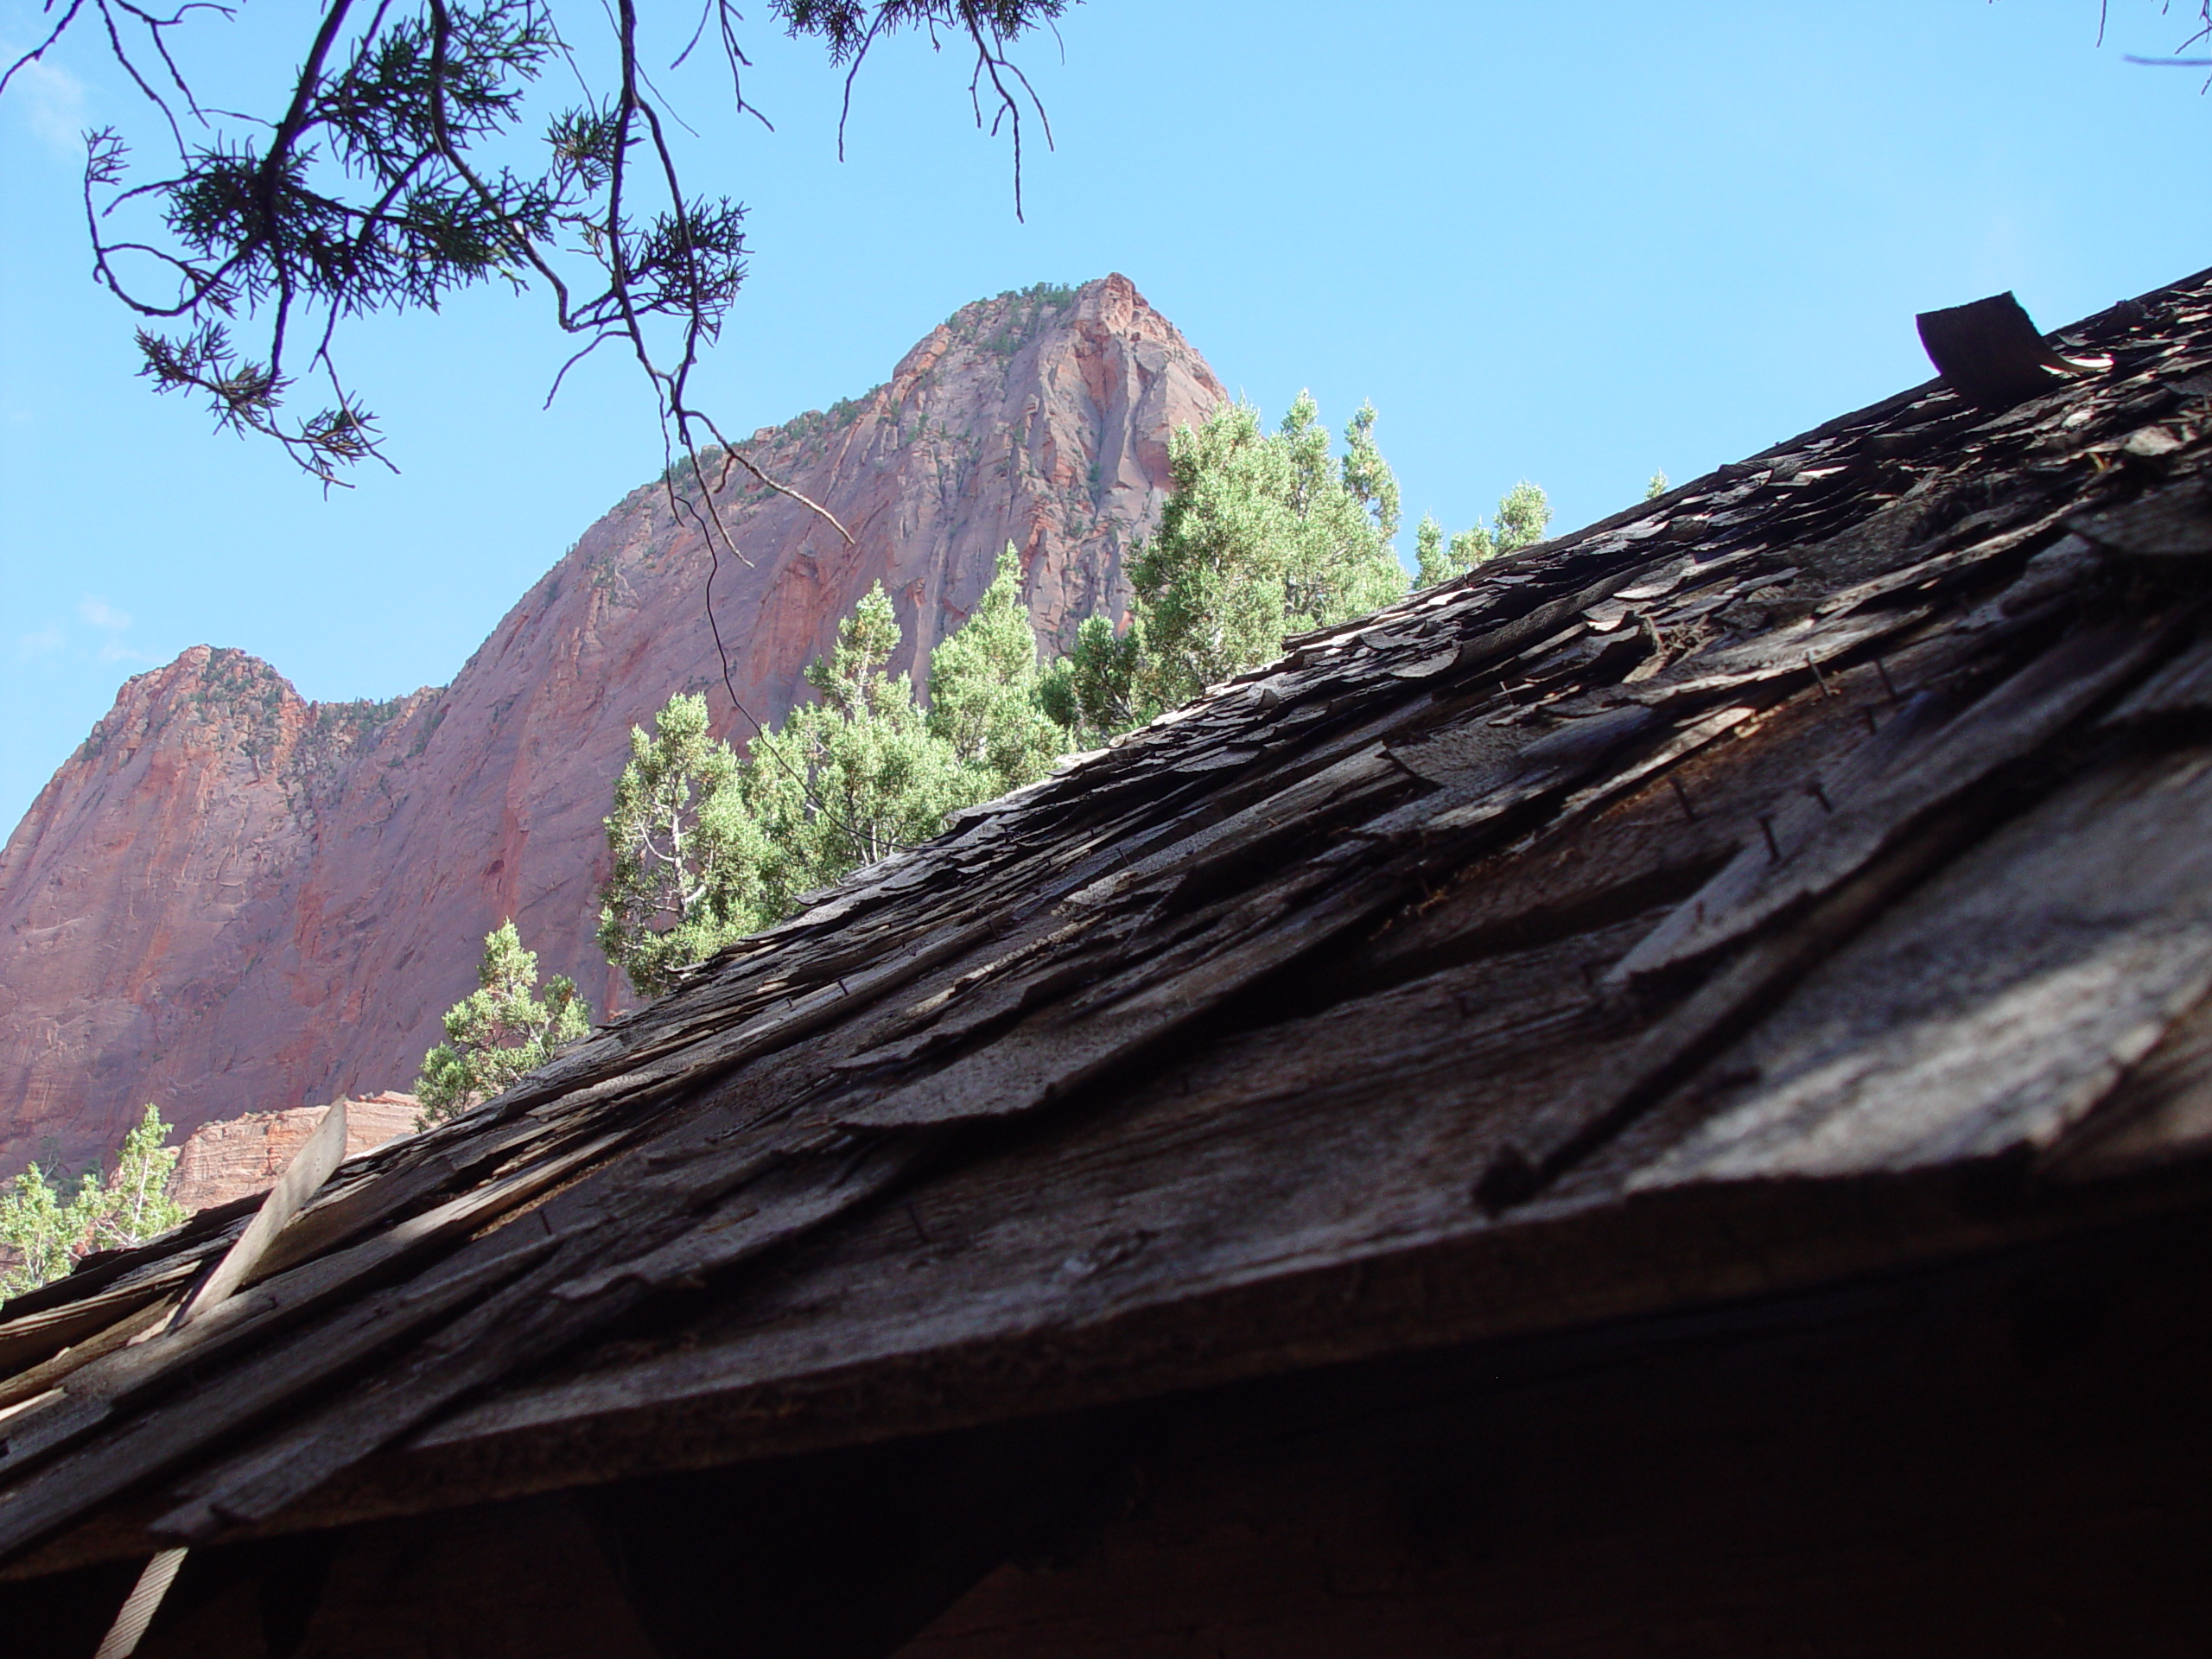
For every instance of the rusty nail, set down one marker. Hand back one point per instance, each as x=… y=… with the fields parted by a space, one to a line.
x=1766 y=829
x=1872 y=727
x=1683 y=796
x=1882 y=669
x=1820 y=795
x=1819 y=678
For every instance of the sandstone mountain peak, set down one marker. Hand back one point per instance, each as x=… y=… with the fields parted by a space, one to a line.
x=229 y=899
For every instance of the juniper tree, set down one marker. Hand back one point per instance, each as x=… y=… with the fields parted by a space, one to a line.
x=1522 y=518
x=133 y=1204
x=1264 y=535
x=1436 y=560
x=35 y=1231
x=856 y=775
x=687 y=875
x=1339 y=563
x=1367 y=475
x=397 y=167
x=985 y=691
x=1092 y=692
x=500 y=1031
x=1521 y=515
x=45 y=1234
x=709 y=846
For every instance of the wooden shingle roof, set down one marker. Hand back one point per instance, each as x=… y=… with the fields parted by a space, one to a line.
x=1802 y=873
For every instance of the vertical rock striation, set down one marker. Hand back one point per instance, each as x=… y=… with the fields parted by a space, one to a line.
x=229 y=899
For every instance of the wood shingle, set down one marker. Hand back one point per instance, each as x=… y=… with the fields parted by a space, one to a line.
x=1794 y=882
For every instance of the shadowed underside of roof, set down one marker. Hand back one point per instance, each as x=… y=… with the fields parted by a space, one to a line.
x=1802 y=873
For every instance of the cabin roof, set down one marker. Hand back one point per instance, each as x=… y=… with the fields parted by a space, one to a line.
x=1798 y=876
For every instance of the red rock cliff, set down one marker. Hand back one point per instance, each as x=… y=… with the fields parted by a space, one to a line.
x=233 y=1156
x=229 y=899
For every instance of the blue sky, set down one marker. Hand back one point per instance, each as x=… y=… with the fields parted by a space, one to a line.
x=1569 y=244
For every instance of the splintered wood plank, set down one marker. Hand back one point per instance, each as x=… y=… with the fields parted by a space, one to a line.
x=52 y=1496
x=1653 y=829
x=33 y=1381
x=206 y=1234
x=1260 y=934
x=1485 y=787
x=2160 y=1116
x=304 y=1171
x=1058 y=1050
x=511 y=1326
x=673 y=1062
x=1610 y=1093
x=529 y=1320
x=1992 y=1013
x=1050 y=1039
x=1323 y=1140
x=104 y=1390
x=1307 y=1200
x=35 y=1337
x=2170 y=523
x=1902 y=775
x=523 y=1321
x=2183 y=687
x=1022 y=1072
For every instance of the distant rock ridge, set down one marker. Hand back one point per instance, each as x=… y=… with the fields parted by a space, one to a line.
x=235 y=1156
x=231 y=899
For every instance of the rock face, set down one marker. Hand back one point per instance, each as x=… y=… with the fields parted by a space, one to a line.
x=229 y=900
x=234 y=1156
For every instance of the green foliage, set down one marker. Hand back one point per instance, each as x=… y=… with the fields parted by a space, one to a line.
x=499 y=1032
x=135 y=1205
x=1015 y=316
x=684 y=473
x=1657 y=487
x=853 y=777
x=1264 y=535
x=389 y=170
x=46 y=1235
x=710 y=847
x=1092 y=691
x=985 y=691
x=1054 y=297
x=1522 y=516
x=1337 y=562
x=1428 y=553
x=38 y=1231
x=1367 y=475
x=1471 y=546
x=35 y=1231
x=688 y=853
x=244 y=692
